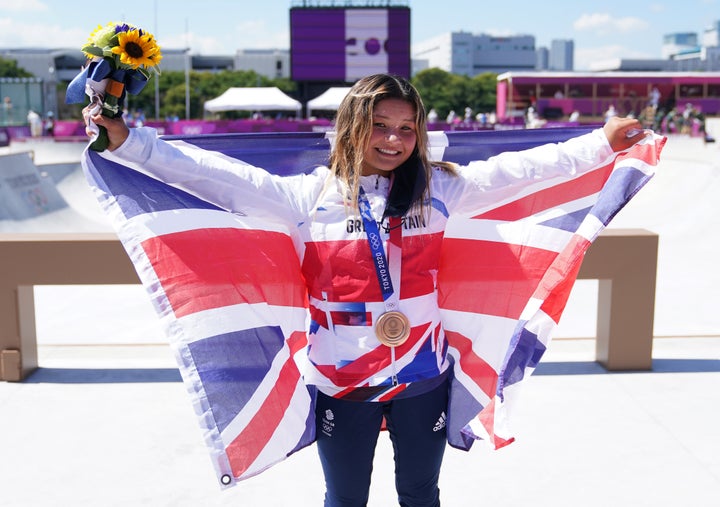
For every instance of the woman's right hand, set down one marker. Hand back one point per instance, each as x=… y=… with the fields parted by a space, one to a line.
x=117 y=130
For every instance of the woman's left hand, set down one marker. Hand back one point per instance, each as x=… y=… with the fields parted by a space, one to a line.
x=622 y=133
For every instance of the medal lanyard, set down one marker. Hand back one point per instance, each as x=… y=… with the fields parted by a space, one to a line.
x=386 y=272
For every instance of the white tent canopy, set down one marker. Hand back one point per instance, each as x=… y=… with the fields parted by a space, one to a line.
x=253 y=99
x=328 y=100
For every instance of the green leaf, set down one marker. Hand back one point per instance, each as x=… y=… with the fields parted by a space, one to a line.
x=93 y=50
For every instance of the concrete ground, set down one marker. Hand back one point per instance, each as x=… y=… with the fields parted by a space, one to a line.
x=112 y=426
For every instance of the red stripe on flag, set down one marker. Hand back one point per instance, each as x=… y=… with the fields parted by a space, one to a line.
x=647 y=152
x=487 y=419
x=356 y=371
x=250 y=442
x=547 y=198
x=211 y=268
x=319 y=316
x=473 y=365
x=557 y=284
x=437 y=333
x=389 y=395
x=488 y=277
x=352 y=373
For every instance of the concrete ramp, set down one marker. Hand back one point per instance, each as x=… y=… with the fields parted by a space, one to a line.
x=24 y=193
x=63 y=199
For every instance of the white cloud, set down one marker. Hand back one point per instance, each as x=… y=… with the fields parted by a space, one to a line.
x=603 y=24
x=197 y=43
x=16 y=34
x=23 y=6
x=244 y=35
x=256 y=34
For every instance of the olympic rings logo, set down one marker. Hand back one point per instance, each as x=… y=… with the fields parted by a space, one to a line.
x=374 y=241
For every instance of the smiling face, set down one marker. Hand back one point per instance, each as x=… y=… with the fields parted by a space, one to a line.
x=393 y=137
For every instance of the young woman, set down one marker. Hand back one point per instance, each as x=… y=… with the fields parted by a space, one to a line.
x=370 y=225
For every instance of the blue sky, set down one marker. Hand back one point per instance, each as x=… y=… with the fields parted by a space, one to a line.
x=601 y=30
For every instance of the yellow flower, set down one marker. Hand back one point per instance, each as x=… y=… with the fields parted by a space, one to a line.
x=99 y=39
x=137 y=49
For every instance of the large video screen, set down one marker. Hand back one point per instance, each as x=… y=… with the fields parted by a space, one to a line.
x=345 y=44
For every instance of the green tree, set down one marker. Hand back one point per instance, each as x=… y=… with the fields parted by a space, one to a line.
x=9 y=68
x=483 y=92
x=445 y=91
x=435 y=87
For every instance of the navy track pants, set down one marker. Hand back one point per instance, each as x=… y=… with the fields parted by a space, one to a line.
x=347 y=433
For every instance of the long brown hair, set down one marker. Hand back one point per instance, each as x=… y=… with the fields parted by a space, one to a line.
x=353 y=129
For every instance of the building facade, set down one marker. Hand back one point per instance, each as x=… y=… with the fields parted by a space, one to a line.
x=542 y=58
x=468 y=54
x=681 y=52
x=675 y=43
x=271 y=63
x=562 y=55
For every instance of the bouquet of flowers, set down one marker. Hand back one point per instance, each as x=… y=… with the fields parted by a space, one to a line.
x=120 y=58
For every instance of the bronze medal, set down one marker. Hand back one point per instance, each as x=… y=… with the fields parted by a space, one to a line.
x=392 y=328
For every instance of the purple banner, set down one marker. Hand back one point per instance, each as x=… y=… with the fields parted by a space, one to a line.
x=343 y=45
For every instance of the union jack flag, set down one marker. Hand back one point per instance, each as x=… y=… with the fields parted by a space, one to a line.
x=232 y=300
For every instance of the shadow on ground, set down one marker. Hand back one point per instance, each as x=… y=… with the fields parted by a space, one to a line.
x=157 y=375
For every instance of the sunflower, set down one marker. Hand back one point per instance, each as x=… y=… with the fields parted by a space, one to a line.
x=137 y=49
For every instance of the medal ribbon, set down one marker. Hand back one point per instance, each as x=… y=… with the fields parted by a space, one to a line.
x=385 y=272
